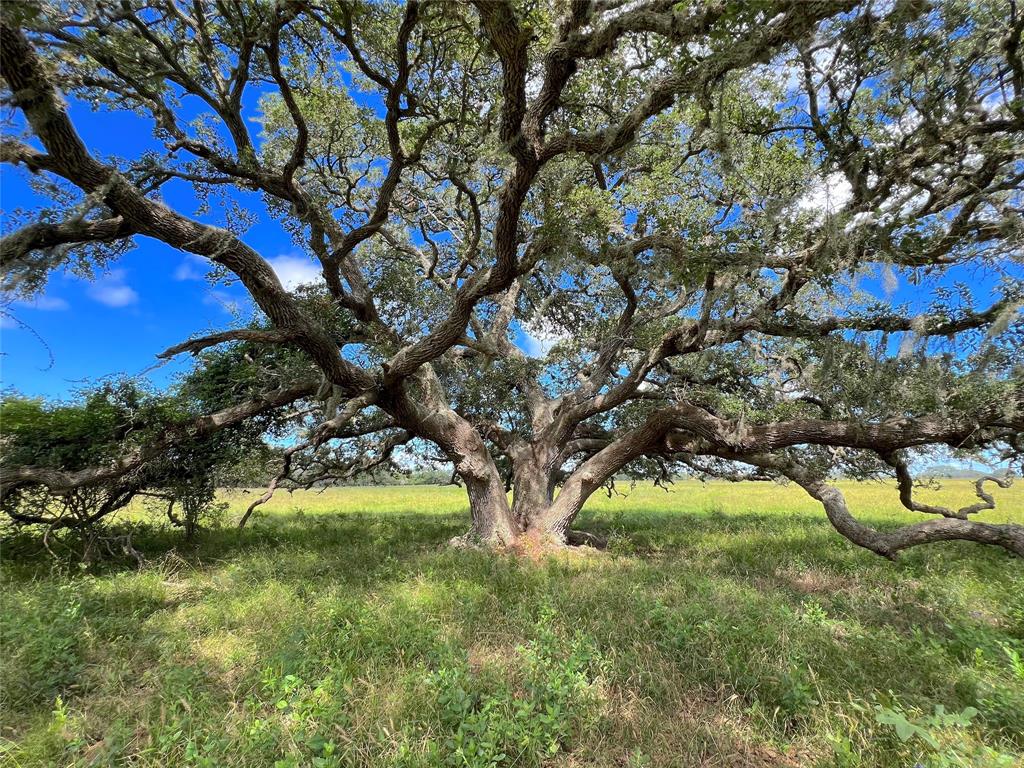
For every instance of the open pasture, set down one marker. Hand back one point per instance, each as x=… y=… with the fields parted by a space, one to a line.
x=726 y=625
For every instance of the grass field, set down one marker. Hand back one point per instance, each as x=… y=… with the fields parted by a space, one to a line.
x=727 y=625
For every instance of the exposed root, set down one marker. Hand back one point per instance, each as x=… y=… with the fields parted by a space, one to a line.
x=540 y=545
x=533 y=544
x=585 y=539
x=468 y=540
x=473 y=540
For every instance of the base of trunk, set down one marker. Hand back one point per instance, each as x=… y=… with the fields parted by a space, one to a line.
x=473 y=540
x=531 y=541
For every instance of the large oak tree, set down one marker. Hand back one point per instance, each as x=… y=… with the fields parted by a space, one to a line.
x=566 y=240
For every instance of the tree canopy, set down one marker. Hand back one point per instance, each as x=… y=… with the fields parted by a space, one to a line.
x=560 y=242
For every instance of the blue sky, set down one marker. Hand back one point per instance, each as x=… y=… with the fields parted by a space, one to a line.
x=153 y=297
x=80 y=331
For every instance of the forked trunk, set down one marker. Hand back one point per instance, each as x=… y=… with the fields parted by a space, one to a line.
x=554 y=520
x=533 y=485
x=535 y=512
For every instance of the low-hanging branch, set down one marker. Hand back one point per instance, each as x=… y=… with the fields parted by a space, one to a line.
x=1010 y=536
x=58 y=481
x=257 y=335
x=906 y=485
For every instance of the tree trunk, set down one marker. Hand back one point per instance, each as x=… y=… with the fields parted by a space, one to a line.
x=535 y=512
x=553 y=521
x=493 y=521
x=420 y=406
x=533 y=486
x=540 y=516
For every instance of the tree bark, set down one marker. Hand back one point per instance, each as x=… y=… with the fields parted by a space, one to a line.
x=493 y=522
x=533 y=485
x=420 y=406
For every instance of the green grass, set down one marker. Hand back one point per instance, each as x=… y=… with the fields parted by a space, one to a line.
x=727 y=625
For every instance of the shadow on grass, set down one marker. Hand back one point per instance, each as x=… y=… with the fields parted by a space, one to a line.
x=779 y=610
x=736 y=543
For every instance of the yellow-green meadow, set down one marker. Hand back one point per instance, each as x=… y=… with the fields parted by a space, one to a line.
x=877 y=501
x=726 y=625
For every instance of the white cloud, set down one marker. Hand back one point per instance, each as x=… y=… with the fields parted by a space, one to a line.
x=614 y=13
x=698 y=50
x=539 y=339
x=224 y=300
x=49 y=304
x=112 y=290
x=42 y=303
x=858 y=220
x=534 y=83
x=535 y=347
x=908 y=122
x=827 y=195
x=294 y=271
x=995 y=103
x=192 y=268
